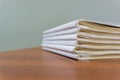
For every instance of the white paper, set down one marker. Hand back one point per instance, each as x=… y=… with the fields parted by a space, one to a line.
x=98 y=40
x=96 y=29
x=99 y=57
x=98 y=52
x=99 y=36
x=99 y=46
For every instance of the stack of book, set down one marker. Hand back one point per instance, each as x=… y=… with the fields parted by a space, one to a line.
x=83 y=40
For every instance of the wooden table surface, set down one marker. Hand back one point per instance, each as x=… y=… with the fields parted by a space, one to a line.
x=35 y=64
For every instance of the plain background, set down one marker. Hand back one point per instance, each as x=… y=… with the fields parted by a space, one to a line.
x=23 y=21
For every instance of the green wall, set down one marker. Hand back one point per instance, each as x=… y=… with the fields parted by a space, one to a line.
x=23 y=21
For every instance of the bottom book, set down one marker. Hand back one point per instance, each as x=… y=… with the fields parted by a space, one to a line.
x=80 y=57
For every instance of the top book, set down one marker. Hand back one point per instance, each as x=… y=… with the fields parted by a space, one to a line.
x=77 y=23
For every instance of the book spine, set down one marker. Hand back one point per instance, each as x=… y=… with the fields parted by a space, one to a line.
x=64 y=32
x=60 y=47
x=62 y=27
x=67 y=43
x=68 y=54
x=62 y=37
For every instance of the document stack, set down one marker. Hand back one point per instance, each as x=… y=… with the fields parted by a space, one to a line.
x=84 y=40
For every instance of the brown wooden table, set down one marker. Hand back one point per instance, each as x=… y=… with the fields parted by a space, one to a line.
x=35 y=64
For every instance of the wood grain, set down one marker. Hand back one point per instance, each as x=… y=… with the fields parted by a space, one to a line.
x=35 y=64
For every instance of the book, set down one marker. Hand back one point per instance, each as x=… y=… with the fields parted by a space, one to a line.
x=61 y=42
x=63 y=32
x=61 y=52
x=88 y=40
